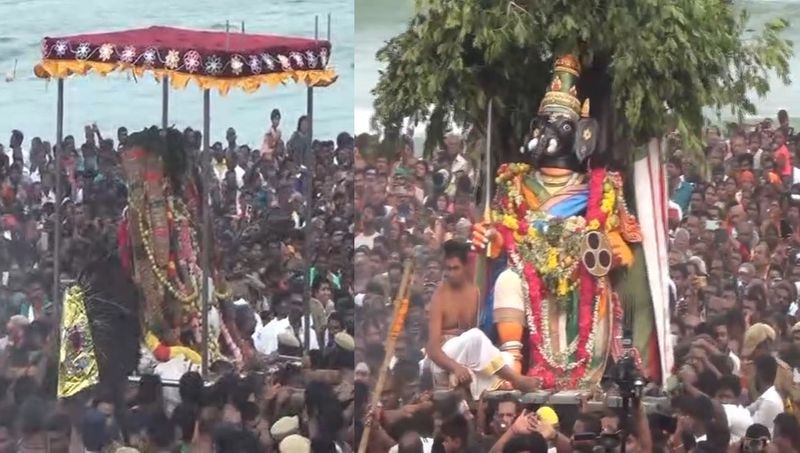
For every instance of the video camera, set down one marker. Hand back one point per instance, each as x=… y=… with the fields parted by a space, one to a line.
x=601 y=443
x=625 y=373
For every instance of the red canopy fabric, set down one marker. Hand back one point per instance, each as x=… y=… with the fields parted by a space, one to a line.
x=205 y=53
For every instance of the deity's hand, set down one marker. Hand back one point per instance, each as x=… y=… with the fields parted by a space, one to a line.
x=484 y=236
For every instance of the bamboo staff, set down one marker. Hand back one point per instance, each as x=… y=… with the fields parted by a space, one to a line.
x=398 y=319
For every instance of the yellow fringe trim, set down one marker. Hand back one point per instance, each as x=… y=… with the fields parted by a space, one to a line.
x=494 y=365
x=153 y=342
x=190 y=354
x=64 y=68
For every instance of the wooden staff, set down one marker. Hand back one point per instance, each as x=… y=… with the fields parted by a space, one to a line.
x=398 y=319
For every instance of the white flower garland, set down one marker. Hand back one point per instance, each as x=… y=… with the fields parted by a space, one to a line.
x=555 y=359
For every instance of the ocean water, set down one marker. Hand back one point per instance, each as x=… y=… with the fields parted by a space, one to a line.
x=376 y=22
x=379 y=20
x=29 y=104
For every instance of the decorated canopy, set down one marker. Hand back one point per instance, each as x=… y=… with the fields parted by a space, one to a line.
x=214 y=60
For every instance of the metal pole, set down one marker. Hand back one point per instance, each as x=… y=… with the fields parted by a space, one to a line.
x=164 y=102
x=206 y=250
x=487 y=187
x=227 y=35
x=242 y=27
x=309 y=198
x=59 y=195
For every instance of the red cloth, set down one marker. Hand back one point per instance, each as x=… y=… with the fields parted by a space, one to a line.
x=211 y=53
x=124 y=246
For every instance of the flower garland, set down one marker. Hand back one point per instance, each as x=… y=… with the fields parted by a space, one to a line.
x=537 y=265
x=187 y=299
x=551 y=243
x=237 y=353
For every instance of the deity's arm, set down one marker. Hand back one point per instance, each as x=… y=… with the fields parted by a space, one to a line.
x=509 y=314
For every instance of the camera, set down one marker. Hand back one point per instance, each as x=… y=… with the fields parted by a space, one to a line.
x=625 y=373
x=600 y=443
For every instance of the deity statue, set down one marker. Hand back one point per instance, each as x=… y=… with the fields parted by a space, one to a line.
x=560 y=239
x=143 y=304
x=159 y=246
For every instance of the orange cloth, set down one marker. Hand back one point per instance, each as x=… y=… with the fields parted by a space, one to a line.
x=783 y=151
x=530 y=197
x=622 y=252
x=511 y=331
x=773 y=178
x=746 y=176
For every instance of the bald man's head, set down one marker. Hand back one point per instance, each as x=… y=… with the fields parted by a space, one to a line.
x=410 y=442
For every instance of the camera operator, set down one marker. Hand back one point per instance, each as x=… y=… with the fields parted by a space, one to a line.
x=756 y=440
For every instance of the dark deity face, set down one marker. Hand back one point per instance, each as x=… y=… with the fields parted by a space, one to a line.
x=560 y=141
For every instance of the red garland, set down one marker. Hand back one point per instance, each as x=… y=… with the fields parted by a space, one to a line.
x=530 y=275
x=588 y=283
x=124 y=245
x=588 y=290
x=596 y=180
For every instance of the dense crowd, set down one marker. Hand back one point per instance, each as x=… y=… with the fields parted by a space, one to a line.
x=734 y=260
x=296 y=396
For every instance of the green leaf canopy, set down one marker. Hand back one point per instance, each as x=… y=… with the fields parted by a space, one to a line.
x=666 y=61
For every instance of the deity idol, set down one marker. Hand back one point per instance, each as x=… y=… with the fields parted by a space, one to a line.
x=159 y=246
x=562 y=235
x=142 y=306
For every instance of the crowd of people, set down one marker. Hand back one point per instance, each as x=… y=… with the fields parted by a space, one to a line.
x=296 y=396
x=734 y=261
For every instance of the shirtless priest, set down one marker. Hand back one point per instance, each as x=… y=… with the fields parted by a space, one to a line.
x=457 y=349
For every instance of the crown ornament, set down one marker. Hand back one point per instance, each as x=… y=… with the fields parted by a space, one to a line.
x=562 y=94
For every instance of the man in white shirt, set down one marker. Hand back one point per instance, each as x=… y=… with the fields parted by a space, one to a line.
x=729 y=390
x=769 y=403
x=459 y=164
x=369 y=229
x=265 y=338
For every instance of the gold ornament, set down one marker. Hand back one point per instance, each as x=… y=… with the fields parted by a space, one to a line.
x=77 y=367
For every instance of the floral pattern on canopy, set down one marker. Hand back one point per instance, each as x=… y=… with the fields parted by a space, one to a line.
x=214 y=60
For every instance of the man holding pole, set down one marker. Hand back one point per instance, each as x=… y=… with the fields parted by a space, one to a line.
x=457 y=349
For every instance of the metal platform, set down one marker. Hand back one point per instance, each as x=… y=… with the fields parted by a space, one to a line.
x=660 y=404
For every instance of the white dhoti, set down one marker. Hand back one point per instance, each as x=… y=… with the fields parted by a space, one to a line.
x=475 y=351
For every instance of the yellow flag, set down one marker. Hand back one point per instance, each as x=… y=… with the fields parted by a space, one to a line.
x=77 y=369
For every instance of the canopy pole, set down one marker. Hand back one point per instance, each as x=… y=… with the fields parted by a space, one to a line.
x=309 y=199
x=57 y=155
x=164 y=102
x=227 y=35
x=206 y=252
